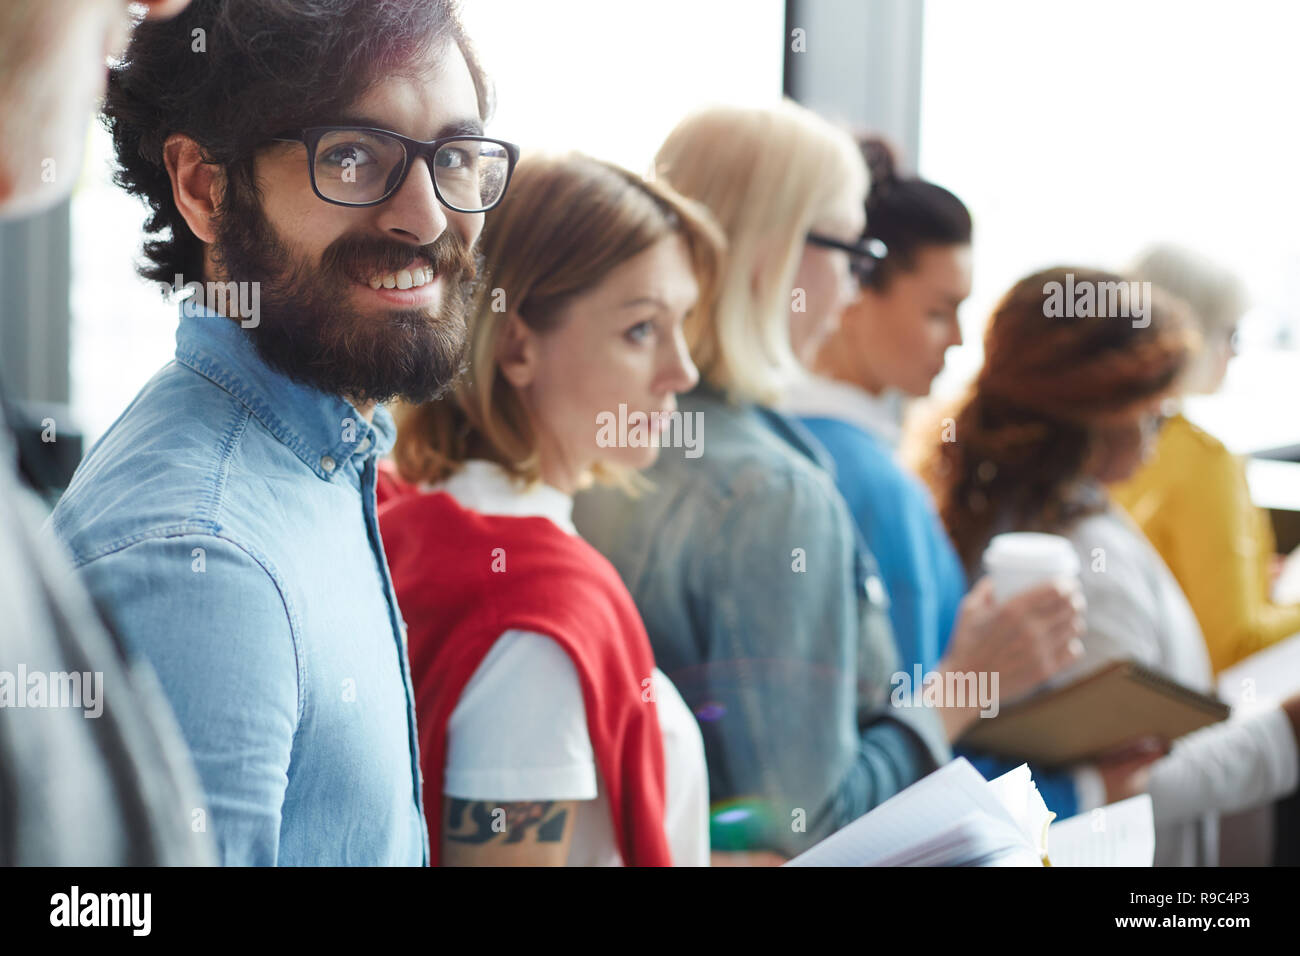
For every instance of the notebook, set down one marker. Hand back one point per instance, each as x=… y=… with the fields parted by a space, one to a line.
x=1100 y=712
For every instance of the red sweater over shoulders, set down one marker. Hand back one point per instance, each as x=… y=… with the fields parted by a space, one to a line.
x=390 y=485
x=463 y=579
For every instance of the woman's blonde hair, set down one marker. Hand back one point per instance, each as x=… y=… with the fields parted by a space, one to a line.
x=566 y=222
x=766 y=174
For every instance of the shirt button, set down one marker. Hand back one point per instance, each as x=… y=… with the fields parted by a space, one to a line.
x=875 y=590
x=327 y=463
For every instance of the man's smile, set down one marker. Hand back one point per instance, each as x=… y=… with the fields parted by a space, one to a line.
x=413 y=286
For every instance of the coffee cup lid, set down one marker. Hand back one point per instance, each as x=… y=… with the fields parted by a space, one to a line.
x=1032 y=549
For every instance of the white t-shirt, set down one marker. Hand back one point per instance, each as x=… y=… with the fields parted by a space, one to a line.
x=519 y=730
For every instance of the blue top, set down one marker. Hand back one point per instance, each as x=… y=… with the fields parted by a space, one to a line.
x=921 y=570
x=227 y=521
x=768 y=616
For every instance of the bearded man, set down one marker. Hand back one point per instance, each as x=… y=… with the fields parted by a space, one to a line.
x=322 y=165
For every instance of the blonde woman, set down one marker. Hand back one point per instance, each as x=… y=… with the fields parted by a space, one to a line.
x=759 y=599
x=547 y=734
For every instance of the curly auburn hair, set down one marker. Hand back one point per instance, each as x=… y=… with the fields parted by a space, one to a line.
x=231 y=74
x=1025 y=429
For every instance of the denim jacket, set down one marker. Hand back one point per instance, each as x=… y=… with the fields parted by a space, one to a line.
x=227 y=522
x=765 y=609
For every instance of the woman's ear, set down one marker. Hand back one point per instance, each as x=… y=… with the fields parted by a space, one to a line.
x=516 y=351
x=196 y=185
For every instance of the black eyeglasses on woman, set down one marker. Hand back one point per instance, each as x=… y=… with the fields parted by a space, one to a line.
x=863 y=255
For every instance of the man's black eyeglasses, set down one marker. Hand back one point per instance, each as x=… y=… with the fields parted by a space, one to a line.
x=363 y=166
x=864 y=255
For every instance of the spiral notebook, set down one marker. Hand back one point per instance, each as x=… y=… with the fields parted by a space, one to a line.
x=1100 y=712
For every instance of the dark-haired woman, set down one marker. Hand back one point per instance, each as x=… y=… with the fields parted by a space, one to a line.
x=891 y=341
x=1061 y=407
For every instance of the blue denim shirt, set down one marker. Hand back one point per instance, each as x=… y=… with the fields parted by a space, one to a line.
x=227 y=523
x=766 y=611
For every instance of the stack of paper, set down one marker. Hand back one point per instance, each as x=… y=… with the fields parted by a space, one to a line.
x=954 y=817
x=1019 y=796
x=1263 y=679
x=1122 y=834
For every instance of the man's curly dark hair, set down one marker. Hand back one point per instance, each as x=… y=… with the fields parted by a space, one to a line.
x=257 y=67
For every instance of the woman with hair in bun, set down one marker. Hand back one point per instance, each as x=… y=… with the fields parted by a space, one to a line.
x=548 y=736
x=1061 y=407
x=759 y=598
x=888 y=348
x=891 y=340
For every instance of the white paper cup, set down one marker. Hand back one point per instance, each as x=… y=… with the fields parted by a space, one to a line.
x=1022 y=560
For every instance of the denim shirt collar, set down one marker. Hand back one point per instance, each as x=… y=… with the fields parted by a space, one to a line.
x=797 y=435
x=790 y=430
x=323 y=430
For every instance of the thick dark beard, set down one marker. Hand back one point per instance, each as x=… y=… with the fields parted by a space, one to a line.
x=310 y=332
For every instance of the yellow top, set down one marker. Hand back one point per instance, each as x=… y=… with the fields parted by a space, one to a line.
x=1192 y=501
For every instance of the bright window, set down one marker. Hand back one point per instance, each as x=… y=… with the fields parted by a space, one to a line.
x=1079 y=131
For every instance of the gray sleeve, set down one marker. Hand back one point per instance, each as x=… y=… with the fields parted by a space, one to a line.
x=103 y=779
